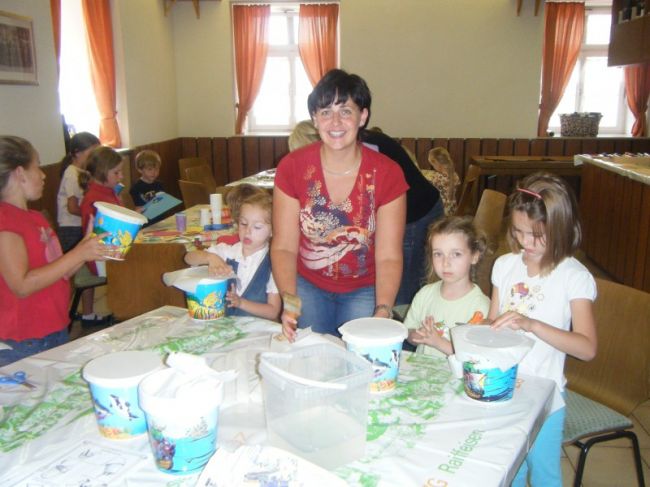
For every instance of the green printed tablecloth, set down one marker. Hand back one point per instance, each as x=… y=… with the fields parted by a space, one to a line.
x=426 y=433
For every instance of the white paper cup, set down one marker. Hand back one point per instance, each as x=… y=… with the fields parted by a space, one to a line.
x=216 y=203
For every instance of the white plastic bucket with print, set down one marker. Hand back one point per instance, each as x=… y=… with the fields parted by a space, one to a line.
x=113 y=380
x=182 y=418
x=122 y=226
x=205 y=295
x=379 y=341
x=490 y=360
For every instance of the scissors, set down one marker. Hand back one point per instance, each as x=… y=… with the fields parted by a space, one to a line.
x=18 y=378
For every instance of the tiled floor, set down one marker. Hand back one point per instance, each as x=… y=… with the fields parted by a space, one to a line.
x=608 y=465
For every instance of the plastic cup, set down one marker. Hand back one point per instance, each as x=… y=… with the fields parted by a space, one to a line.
x=122 y=226
x=379 y=341
x=216 y=203
x=204 y=219
x=182 y=425
x=113 y=381
x=181 y=222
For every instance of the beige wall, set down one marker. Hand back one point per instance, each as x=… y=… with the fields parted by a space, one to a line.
x=32 y=111
x=437 y=68
x=442 y=68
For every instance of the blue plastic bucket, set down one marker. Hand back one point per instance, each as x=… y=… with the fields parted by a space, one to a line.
x=486 y=383
x=379 y=341
x=208 y=302
x=122 y=226
x=113 y=381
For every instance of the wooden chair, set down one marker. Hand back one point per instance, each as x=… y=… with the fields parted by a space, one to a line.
x=193 y=193
x=135 y=284
x=489 y=219
x=607 y=389
x=187 y=162
x=203 y=175
x=467 y=200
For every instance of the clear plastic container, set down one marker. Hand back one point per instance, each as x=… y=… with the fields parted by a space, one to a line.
x=316 y=403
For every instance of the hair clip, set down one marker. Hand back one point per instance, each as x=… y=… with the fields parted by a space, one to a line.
x=532 y=193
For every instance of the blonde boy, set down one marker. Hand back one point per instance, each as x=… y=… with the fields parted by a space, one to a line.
x=148 y=163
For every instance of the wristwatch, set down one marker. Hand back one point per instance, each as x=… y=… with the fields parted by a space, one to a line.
x=386 y=308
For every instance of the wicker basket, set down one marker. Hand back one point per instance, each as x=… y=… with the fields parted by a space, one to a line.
x=583 y=124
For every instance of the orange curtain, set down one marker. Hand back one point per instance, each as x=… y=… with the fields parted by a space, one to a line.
x=637 y=90
x=317 y=39
x=99 y=30
x=563 y=30
x=250 y=26
x=55 y=8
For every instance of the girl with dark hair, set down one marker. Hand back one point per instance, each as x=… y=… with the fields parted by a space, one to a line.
x=34 y=273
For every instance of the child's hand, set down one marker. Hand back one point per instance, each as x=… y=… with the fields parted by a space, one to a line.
x=92 y=248
x=513 y=320
x=234 y=300
x=217 y=266
x=428 y=333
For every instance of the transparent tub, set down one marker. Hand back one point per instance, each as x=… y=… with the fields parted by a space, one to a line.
x=316 y=403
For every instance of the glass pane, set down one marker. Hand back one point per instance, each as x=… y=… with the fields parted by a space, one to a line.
x=601 y=90
x=76 y=94
x=272 y=103
x=278 y=30
x=568 y=104
x=303 y=89
x=598 y=26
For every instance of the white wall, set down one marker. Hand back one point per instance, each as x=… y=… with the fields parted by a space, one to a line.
x=446 y=68
x=442 y=68
x=32 y=111
x=147 y=108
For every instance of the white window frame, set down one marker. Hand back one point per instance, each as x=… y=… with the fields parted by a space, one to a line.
x=291 y=53
x=623 y=122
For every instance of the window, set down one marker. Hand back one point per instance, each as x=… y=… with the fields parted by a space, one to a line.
x=282 y=99
x=593 y=86
x=76 y=95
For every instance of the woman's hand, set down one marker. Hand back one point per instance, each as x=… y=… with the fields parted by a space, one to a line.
x=514 y=321
x=234 y=300
x=289 y=325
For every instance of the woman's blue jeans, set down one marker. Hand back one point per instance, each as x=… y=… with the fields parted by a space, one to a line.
x=325 y=311
x=415 y=239
x=31 y=346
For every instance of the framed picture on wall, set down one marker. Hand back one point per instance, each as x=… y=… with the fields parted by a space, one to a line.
x=17 y=51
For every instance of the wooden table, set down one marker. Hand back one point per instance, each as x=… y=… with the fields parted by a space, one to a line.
x=521 y=166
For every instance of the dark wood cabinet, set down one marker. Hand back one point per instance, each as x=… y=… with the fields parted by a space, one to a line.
x=630 y=39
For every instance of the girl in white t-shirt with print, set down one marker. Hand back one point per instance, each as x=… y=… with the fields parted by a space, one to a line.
x=454 y=248
x=547 y=294
x=255 y=292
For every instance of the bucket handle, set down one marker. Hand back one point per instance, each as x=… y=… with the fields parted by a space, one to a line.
x=306 y=382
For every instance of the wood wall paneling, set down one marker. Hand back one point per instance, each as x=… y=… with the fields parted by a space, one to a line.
x=220 y=160
x=236 y=159
x=643 y=239
x=632 y=237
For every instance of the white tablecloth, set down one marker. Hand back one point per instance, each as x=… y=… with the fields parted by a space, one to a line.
x=426 y=433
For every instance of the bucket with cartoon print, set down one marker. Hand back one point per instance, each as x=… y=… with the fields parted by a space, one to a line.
x=379 y=341
x=113 y=381
x=205 y=295
x=182 y=405
x=490 y=360
x=122 y=226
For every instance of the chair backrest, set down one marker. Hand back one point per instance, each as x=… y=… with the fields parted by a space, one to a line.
x=135 y=284
x=467 y=200
x=193 y=193
x=619 y=376
x=489 y=219
x=203 y=175
x=187 y=162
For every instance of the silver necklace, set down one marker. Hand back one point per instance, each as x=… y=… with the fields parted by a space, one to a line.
x=340 y=173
